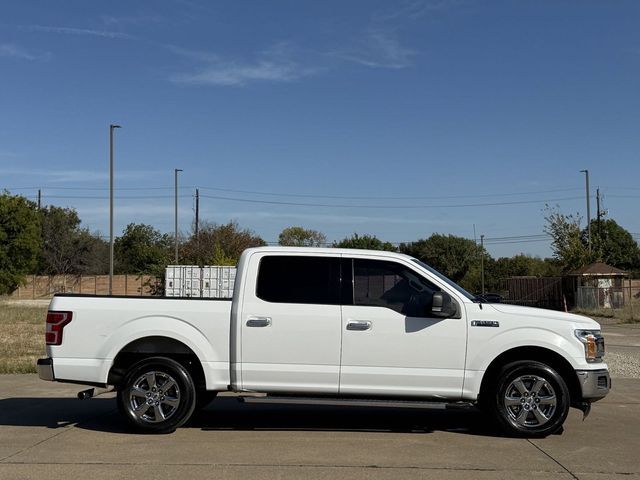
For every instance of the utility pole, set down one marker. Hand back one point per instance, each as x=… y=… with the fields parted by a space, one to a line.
x=586 y=172
x=197 y=213
x=111 y=129
x=482 y=261
x=598 y=214
x=175 y=176
x=39 y=199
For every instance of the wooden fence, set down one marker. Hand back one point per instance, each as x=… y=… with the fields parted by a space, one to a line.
x=546 y=292
x=42 y=286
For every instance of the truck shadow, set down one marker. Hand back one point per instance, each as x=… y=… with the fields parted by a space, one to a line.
x=229 y=414
x=226 y=413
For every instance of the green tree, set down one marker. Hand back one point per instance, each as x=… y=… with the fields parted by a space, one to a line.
x=566 y=239
x=20 y=240
x=219 y=244
x=614 y=245
x=301 y=237
x=142 y=250
x=67 y=248
x=453 y=256
x=367 y=242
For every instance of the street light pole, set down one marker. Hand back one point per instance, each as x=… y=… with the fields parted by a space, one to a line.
x=482 y=262
x=111 y=129
x=175 y=177
x=586 y=172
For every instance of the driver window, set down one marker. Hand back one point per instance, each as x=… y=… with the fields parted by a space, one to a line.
x=391 y=285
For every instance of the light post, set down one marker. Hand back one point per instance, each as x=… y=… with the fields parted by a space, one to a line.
x=175 y=177
x=111 y=129
x=482 y=262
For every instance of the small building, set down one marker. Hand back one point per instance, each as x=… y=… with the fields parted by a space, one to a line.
x=599 y=285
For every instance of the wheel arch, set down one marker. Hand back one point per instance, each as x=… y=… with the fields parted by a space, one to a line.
x=153 y=346
x=533 y=353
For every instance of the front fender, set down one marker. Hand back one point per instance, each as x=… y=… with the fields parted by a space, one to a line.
x=480 y=355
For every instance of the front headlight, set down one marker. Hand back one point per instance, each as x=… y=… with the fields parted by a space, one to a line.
x=593 y=344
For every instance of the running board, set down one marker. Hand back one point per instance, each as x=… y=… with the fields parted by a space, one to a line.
x=354 y=402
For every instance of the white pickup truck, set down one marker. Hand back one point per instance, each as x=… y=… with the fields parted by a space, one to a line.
x=329 y=326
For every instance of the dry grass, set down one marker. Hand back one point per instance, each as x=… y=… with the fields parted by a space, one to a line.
x=21 y=337
x=628 y=314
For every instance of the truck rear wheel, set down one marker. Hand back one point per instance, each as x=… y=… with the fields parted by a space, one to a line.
x=157 y=395
x=530 y=400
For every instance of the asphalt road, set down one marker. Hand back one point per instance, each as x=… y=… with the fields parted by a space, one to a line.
x=45 y=432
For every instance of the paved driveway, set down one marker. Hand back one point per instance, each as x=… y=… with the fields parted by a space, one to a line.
x=46 y=433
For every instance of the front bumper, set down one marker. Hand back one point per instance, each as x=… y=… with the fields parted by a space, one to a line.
x=45 y=369
x=595 y=384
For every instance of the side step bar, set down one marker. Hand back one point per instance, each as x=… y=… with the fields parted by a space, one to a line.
x=354 y=402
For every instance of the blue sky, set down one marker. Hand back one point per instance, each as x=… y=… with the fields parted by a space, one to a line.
x=398 y=119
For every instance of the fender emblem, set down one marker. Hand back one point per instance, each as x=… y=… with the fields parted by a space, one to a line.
x=485 y=323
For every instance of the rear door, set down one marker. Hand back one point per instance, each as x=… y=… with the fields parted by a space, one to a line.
x=291 y=324
x=391 y=345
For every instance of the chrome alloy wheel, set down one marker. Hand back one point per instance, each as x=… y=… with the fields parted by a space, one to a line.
x=530 y=401
x=154 y=397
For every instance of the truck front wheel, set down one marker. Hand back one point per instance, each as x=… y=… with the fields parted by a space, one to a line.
x=157 y=395
x=531 y=399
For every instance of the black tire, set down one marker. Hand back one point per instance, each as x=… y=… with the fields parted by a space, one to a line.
x=204 y=398
x=530 y=399
x=157 y=395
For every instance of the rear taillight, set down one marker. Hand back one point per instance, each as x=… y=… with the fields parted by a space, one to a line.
x=55 y=324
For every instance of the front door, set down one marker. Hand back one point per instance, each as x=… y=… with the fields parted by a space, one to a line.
x=391 y=345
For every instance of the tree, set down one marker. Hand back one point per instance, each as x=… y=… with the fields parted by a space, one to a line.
x=453 y=256
x=20 y=240
x=219 y=244
x=614 y=245
x=142 y=250
x=567 y=240
x=67 y=248
x=367 y=242
x=301 y=237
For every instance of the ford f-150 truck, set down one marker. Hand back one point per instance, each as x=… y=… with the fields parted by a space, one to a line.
x=327 y=326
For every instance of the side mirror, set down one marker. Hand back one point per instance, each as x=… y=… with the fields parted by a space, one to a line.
x=443 y=305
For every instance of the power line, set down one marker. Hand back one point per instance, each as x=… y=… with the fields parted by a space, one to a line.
x=327 y=205
x=300 y=195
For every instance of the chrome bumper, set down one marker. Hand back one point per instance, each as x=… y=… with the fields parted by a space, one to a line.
x=45 y=369
x=595 y=384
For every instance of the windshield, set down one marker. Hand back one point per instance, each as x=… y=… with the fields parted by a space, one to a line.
x=449 y=282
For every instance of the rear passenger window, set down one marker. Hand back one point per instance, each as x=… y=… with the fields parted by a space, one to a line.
x=391 y=285
x=293 y=279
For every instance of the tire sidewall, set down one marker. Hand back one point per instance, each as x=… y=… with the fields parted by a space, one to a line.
x=511 y=372
x=185 y=384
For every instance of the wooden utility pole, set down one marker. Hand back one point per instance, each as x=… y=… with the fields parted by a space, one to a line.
x=598 y=214
x=197 y=213
x=586 y=172
x=39 y=199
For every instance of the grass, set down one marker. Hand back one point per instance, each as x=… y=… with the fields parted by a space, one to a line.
x=21 y=337
x=624 y=315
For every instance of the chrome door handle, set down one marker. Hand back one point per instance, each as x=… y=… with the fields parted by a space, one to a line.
x=259 y=322
x=358 y=325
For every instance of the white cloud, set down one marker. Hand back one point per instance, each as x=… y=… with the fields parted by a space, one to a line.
x=16 y=51
x=379 y=45
x=276 y=64
x=79 y=31
x=80 y=176
x=379 y=48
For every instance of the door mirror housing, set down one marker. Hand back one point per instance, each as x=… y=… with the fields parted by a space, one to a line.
x=443 y=306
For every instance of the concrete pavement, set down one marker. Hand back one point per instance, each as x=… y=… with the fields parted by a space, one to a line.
x=45 y=432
